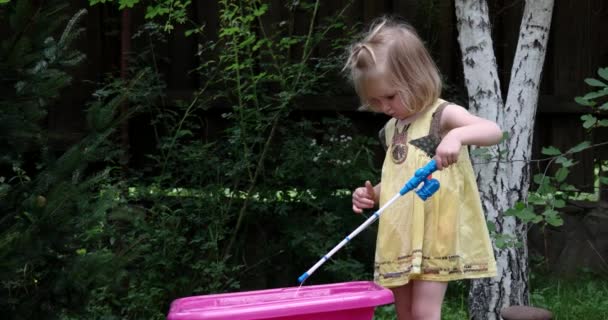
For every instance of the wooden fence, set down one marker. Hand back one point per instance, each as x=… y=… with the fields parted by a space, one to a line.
x=577 y=48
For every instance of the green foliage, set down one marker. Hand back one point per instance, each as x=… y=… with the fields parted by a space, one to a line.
x=61 y=209
x=31 y=74
x=171 y=11
x=250 y=209
x=502 y=240
x=52 y=222
x=267 y=82
x=552 y=191
x=263 y=153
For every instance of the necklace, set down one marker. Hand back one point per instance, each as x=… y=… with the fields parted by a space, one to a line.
x=399 y=144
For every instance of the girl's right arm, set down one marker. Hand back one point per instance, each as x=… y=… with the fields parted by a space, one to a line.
x=463 y=128
x=365 y=197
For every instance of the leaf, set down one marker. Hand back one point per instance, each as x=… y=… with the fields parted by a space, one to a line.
x=603 y=72
x=500 y=243
x=580 y=147
x=553 y=218
x=248 y=41
x=594 y=82
x=561 y=174
x=603 y=123
x=503 y=240
x=568 y=187
x=228 y=31
x=127 y=4
x=604 y=106
x=559 y=203
x=565 y=162
x=183 y=133
x=596 y=94
x=604 y=180
x=479 y=151
x=584 y=102
x=259 y=44
x=261 y=10
x=551 y=151
x=526 y=214
x=589 y=121
x=491 y=226
x=546 y=187
x=539 y=178
x=536 y=199
x=511 y=212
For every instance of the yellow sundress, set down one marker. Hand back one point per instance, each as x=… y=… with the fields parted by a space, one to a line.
x=441 y=239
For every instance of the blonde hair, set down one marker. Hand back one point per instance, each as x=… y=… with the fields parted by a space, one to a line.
x=394 y=51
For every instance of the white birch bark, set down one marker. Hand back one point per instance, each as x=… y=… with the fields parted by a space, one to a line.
x=503 y=183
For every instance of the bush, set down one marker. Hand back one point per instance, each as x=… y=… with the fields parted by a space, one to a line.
x=83 y=238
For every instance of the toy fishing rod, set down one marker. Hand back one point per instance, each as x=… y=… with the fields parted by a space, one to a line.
x=428 y=188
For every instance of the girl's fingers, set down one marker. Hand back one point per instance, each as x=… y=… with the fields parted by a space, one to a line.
x=445 y=161
x=370 y=189
x=439 y=162
x=363 y=198
x=363 y=203
x=451 y=160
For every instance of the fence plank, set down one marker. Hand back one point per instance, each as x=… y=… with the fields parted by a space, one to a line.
x=571 y=47
x=577 y=48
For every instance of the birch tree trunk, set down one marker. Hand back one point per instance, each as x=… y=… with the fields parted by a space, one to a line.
x=505 y=182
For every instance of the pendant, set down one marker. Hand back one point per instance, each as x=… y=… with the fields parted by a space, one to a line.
x=399 y=145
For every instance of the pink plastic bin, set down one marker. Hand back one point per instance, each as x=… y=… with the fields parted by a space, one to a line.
x=340 y=301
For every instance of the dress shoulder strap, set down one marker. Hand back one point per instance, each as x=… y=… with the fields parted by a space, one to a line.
x=435 y=128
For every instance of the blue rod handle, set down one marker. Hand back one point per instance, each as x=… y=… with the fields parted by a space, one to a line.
x=419 y=177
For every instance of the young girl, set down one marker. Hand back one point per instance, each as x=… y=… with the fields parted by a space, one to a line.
x=421 y=244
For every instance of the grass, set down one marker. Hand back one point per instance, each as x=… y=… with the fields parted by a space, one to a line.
x=568 y=299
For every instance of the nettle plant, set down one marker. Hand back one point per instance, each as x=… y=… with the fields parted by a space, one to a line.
x=552 y=190
x=170 y=11
x=268 y=173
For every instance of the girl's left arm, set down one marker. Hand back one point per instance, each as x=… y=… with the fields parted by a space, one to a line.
x=462 y=128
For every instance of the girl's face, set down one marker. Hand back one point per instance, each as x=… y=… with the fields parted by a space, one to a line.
x=384 y=98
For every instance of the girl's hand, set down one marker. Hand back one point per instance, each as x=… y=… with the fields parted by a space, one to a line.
x=364 y=197
x=448 y=150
